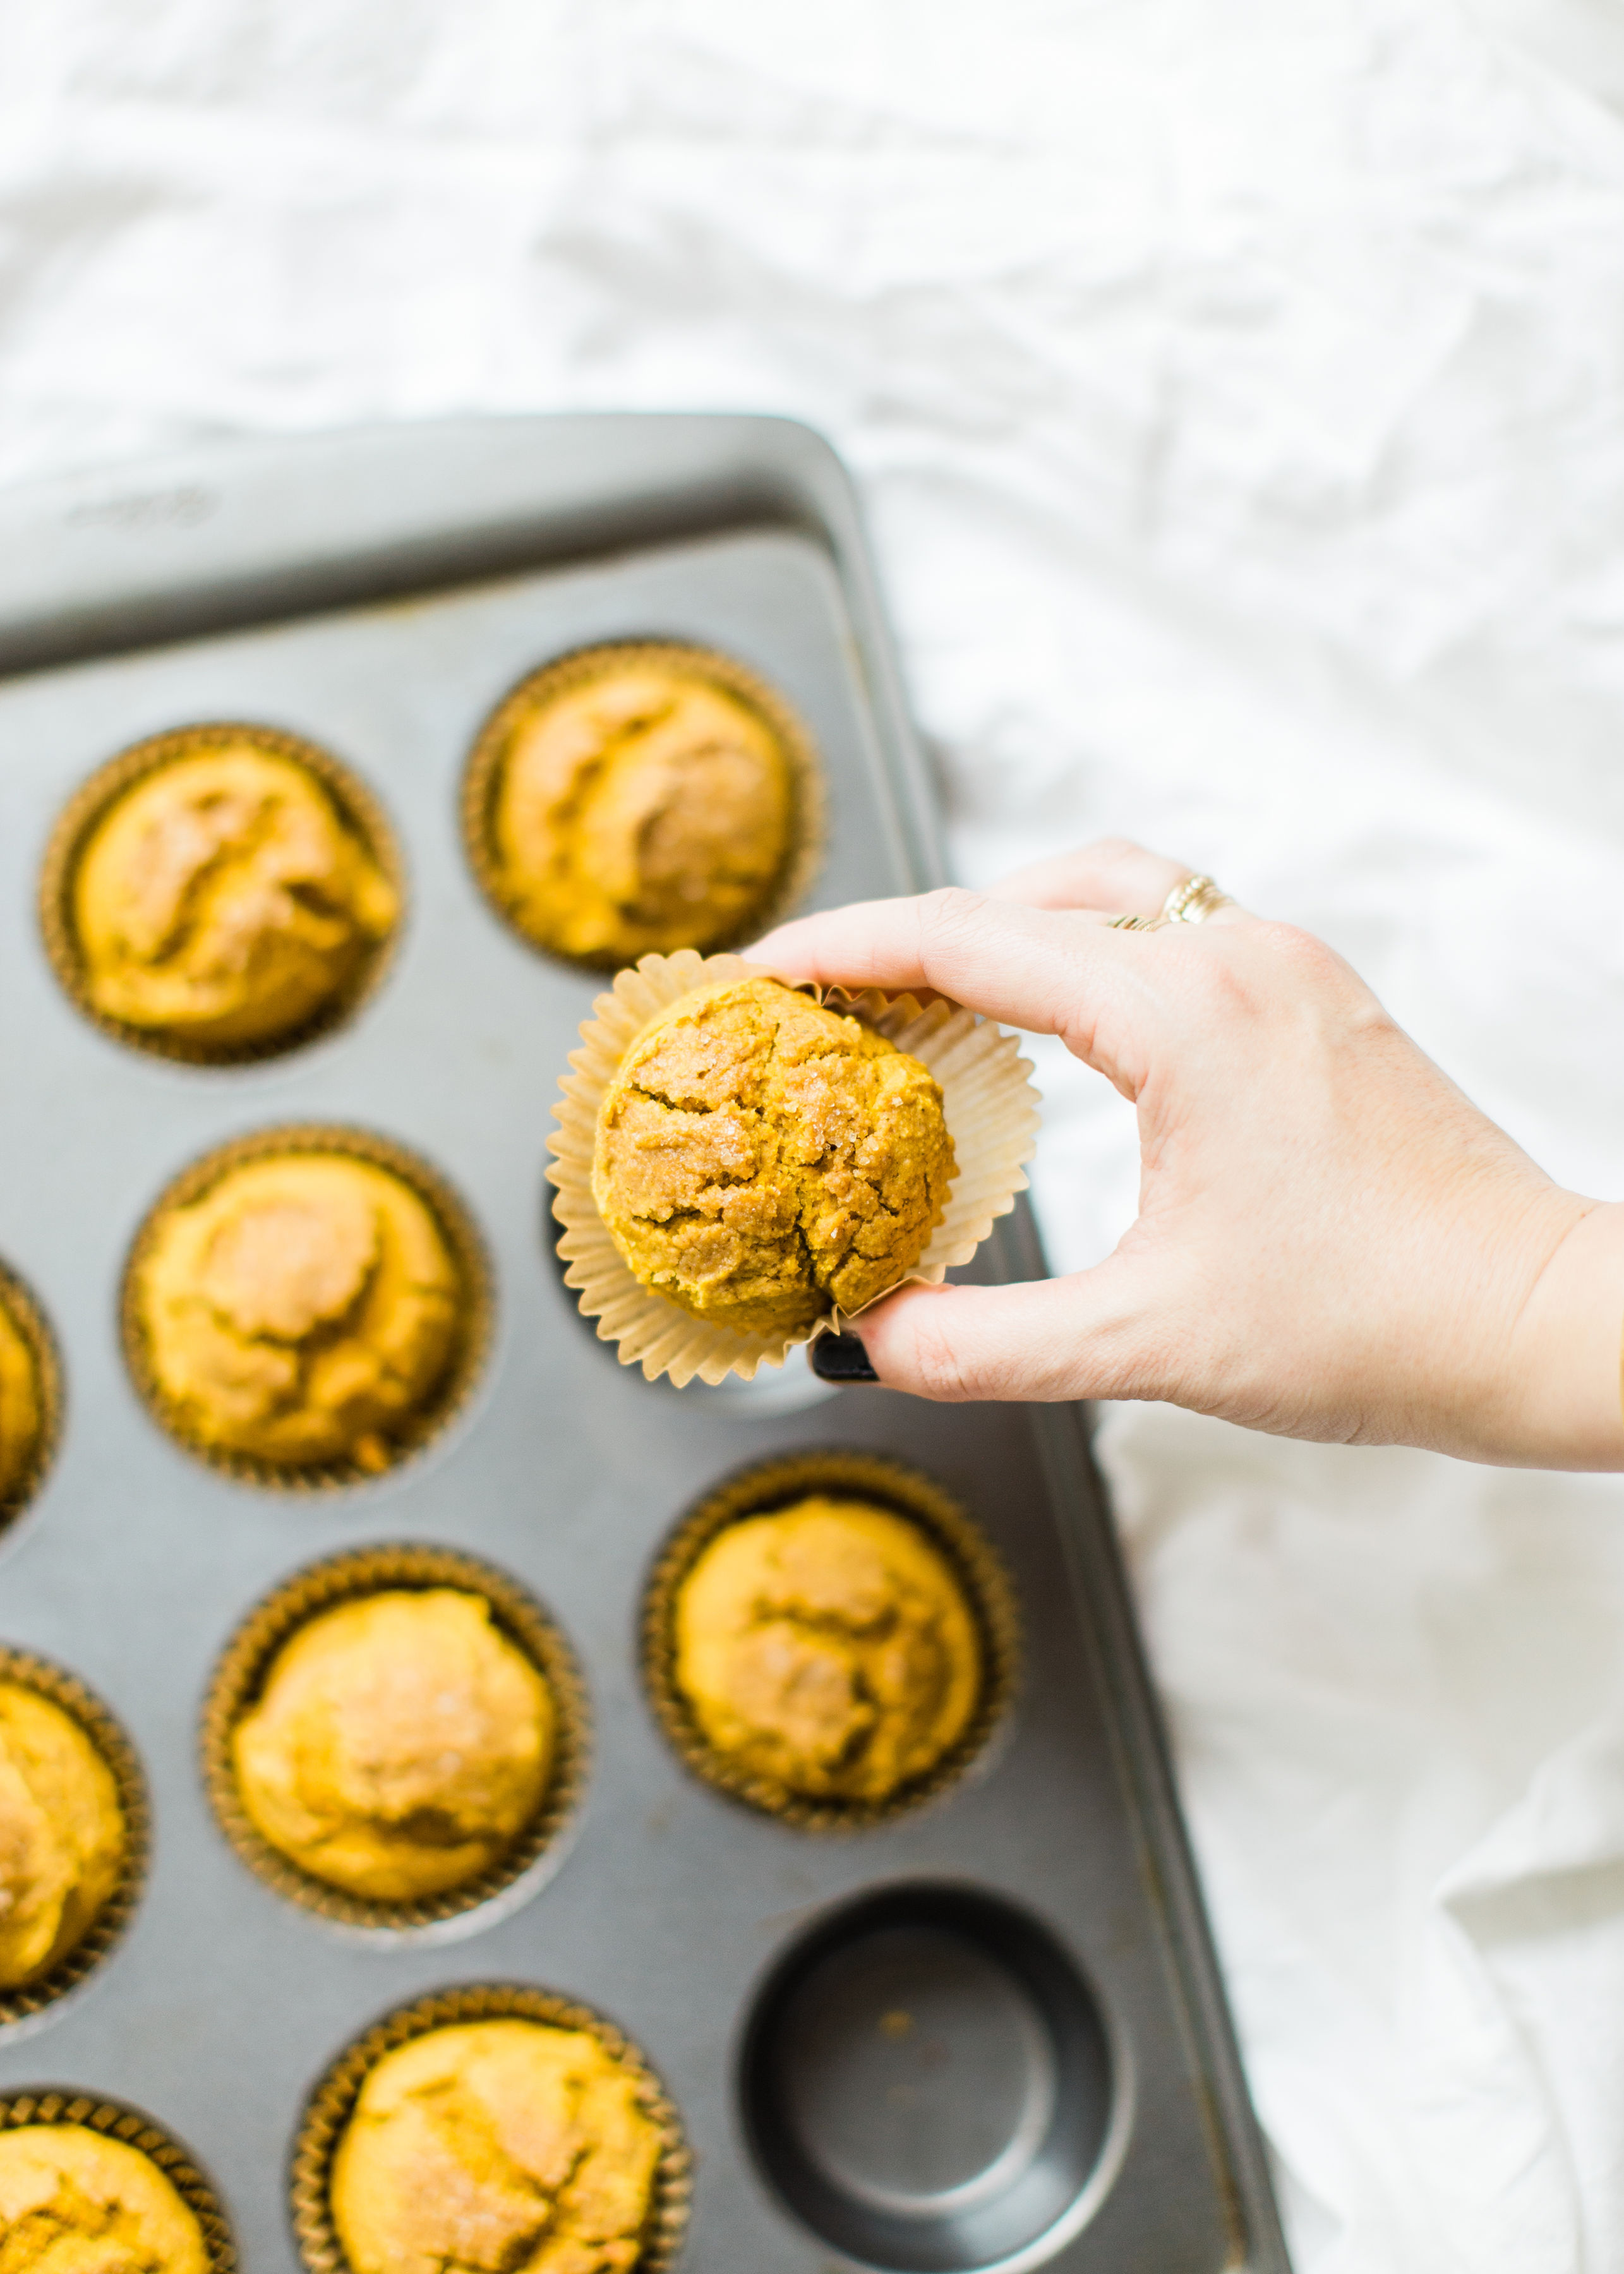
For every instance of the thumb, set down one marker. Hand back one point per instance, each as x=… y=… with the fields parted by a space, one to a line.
x=1083 y=1336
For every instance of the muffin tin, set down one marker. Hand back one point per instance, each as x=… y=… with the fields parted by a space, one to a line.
x=985 y=2032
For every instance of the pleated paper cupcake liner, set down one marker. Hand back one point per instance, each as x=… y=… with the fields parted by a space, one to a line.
x=332 y=2104
x=31 y=2000
x=457 y=1225
x=70 y=840
x=988 y=1101
x=875 y=1481
x=581 y=665
x=118 y=2122
x=22 y=1308
x=239 y=1679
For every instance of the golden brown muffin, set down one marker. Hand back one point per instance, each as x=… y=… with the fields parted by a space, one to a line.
x=644 y=807
x=829 y=1649
x=760 y=1158
x=303 y=1309
x=223 y=901
x=23 y=1414
x=63 y=1838
x=500 y=2147
x=73 y=2201
x=401 y=1745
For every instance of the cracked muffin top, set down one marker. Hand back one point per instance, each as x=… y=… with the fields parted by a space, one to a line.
x=646 y=807
x=62 y=1840
x=761 y=1159
x=400 y=1746
x=73 y=2201
x=22 y=1417
x=504 y=2147
x=222 y=900
x=828 y=1648
x=303 y=1309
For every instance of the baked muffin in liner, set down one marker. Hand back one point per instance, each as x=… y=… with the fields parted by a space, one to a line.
x=990 y=1106
x=358 y=809
x=333 y=2103
x=875 y=1481
x=452 y=1218
x=52 y=2105
x=23 y=1313
x=30 y=2001
x=238 y=1681
x=482 y=780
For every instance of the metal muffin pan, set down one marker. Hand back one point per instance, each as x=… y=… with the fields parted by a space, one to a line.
x=989 y=2032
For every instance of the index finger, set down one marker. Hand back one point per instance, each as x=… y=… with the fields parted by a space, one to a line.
x=1040 y=969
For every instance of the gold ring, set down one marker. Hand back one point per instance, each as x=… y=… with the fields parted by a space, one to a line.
x=1136 y=923
x=1193 y=901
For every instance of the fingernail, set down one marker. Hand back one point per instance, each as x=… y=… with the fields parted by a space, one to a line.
x=841 y=1357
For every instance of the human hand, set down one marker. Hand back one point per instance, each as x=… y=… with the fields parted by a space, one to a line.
x=1331 y=1241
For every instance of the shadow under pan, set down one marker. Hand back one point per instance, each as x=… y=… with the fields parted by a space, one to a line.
x=928 y=2083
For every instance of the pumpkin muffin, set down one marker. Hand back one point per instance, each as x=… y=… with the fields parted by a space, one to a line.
x=632 y=800
x=223 y=899
x=828 y=1649
x=304 y=1309
x=73 y=2201
x=63 y=1838
x=24 y=1414
x=400 y=1747
x=761 y=1159
x=500 y=2147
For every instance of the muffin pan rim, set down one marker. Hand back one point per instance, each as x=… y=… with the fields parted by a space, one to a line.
x=472 y=1350
x=351 y=1574
x=360 y=810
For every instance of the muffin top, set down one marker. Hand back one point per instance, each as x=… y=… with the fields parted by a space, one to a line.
x=222 y=900
x=646 y=806
x=62 y=1835
x=760 y=1158
x=828 y=1648
x=303 y=1309
x=22 y=1405
x=73 y=2201
x=400 y=1746
x=504 y=2146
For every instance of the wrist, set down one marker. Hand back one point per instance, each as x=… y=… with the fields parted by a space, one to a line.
x=1562 y=1404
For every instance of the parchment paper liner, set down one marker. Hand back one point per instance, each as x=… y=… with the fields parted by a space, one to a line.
x=873 y=1479
x=330 y=2105
x=358 y=809
x=22 y=1308
x=483 y=779
x=54 y=2104
x=469 y=1349
x=991 y=1110
x=62 y=1689
x=238 y=1681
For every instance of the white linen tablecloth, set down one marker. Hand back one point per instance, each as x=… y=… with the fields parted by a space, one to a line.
x=1238 y=397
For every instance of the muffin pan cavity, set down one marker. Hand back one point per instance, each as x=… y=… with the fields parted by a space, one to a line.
x=929 y=2083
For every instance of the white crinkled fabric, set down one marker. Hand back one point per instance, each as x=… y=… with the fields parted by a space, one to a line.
x=1237 y=394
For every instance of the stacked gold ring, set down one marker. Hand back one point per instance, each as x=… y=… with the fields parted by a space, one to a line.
x=1191 y=902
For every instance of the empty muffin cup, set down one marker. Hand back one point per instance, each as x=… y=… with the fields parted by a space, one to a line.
x=119 y=2185
x=74 y=1828
x=831 y=1639
x=987 y=1105
x=30 y=1396
x=220 y=894
x=397 y=1739
x=491 y=2046
x=306 y=1307
x=638 y=797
